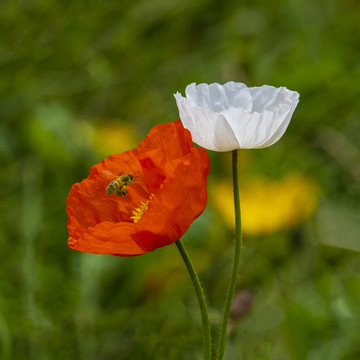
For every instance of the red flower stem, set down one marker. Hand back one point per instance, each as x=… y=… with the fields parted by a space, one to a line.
x=237 y=256
x=201 y=299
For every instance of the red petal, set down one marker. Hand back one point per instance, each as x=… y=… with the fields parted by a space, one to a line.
x=88 y=203
x=106 y=238
x=161 y=151
x=176 y=204
x=171 y=168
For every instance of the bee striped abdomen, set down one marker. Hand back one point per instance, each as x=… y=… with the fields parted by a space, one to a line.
x=119 y=185
x=114 y=186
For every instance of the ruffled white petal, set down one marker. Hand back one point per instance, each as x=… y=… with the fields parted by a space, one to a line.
x=233 y=116
x=208 y=129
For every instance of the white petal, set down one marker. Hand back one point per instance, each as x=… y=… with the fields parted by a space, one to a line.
x=208 y=129
x=216 y=97
x=233 y=116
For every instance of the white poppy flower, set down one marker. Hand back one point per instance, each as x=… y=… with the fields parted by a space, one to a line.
x=233 y=116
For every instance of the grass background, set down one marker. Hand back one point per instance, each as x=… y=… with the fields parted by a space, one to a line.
x=81 y=80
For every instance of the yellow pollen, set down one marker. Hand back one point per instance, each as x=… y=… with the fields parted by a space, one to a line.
x=139 y=211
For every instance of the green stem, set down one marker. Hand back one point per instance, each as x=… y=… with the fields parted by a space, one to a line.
x=237 y=256
x=201 y=300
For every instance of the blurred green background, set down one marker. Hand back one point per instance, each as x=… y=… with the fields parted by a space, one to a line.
x=81 y=80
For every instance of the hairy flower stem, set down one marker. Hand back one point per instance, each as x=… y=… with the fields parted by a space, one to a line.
x=201 y=300
x=237 y=256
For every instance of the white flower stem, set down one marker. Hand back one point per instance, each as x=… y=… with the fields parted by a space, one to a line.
x=237 y=257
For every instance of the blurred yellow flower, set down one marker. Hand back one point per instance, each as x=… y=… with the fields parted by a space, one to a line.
x=114 y=137
x=267 y=205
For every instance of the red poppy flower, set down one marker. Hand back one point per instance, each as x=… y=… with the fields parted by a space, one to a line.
x=167 y=194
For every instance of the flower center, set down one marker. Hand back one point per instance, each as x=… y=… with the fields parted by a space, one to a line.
x=139 y=211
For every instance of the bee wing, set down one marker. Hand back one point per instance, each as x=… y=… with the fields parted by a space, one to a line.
x=109 y=174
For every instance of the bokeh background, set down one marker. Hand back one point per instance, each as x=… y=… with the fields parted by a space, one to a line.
x=81 y=80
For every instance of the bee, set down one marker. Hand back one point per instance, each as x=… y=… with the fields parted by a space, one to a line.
x=119 y=185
